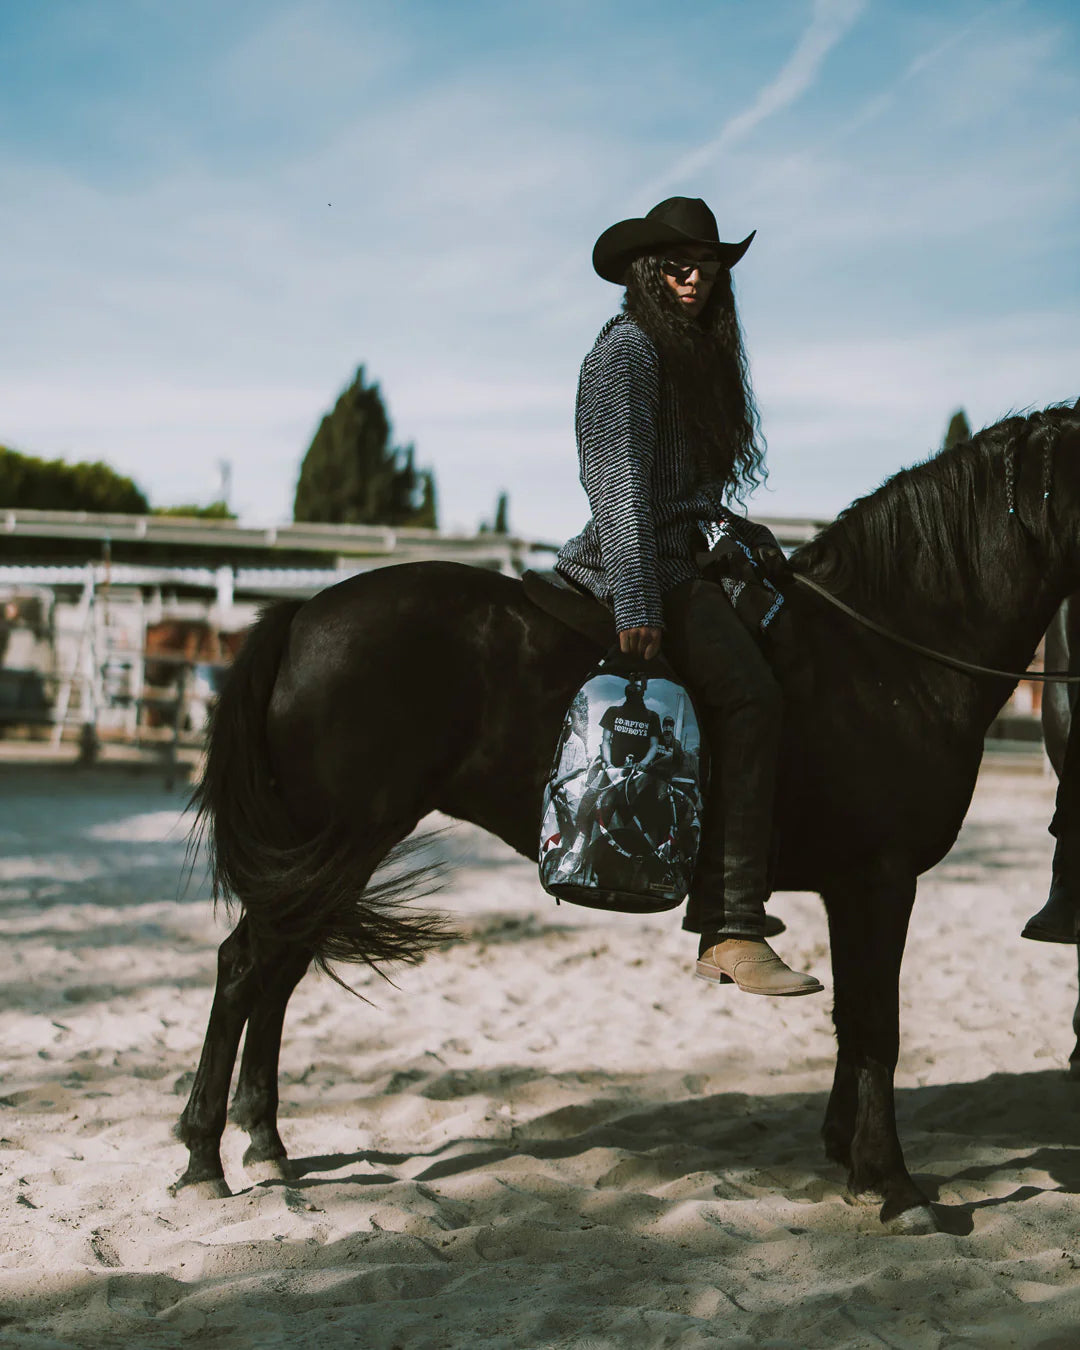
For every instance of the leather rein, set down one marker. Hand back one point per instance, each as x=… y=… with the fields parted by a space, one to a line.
x=1042 y=676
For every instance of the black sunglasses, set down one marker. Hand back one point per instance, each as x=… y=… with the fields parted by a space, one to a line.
x=679 y=269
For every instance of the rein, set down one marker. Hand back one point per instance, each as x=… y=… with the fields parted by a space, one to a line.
x=1042 y=676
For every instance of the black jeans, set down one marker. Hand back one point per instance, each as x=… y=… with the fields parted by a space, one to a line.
x=740 y=706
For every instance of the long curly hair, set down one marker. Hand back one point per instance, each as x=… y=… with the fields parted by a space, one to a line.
x=705 y=359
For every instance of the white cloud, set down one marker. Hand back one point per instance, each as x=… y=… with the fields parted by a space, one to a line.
x=841 y=416
x=200 y=314
x=303 y=53
x=830 y=21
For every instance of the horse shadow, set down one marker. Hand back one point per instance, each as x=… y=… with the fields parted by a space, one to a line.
x=1033 y=1113
x=1029 y=1118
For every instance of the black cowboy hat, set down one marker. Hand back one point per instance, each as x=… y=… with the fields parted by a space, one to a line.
x=679 y=220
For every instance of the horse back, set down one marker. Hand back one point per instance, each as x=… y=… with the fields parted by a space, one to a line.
x=424 y=686
x=440 y=686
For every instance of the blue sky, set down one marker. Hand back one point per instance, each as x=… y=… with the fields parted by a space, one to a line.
x=211 y=214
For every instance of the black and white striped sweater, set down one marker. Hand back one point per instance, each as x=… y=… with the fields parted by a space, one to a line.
x=648 y=516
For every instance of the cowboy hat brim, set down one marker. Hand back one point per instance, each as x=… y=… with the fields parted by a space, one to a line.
x=620 y=244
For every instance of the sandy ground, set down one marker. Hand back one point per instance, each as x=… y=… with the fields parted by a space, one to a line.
x=548 y=1135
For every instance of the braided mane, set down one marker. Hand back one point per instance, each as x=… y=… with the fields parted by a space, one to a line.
x=928 y=526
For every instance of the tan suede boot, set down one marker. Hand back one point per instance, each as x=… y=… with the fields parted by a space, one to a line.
x=753 y=965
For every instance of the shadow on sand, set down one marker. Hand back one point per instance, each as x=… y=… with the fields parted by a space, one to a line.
x=1033 y=1114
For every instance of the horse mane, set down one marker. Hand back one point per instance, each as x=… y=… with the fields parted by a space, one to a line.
x=927 y=526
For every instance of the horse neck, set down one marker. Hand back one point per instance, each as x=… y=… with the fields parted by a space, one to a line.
x=960 y=575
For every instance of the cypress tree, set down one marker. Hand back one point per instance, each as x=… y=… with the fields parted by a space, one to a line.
x=959 y=430
x=351 y=475
x=501 y=523
x=427 y=512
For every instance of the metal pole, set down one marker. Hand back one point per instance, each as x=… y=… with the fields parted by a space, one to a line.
x=172 y=747
x=89 y=745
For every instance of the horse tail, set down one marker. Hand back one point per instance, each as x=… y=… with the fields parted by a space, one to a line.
x=297 y=888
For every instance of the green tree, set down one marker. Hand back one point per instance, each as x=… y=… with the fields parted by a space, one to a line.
x=214 y=511
x=427 y=513
x=959 y=430
x=53 y=485
x=352 y=475
x=501 y=522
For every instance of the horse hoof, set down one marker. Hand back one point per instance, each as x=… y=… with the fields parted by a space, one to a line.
x=270 y=1169
x=215 y=1188
x=917 y=1220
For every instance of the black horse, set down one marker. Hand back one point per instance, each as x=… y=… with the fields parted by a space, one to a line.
x=434 y=686
x=1062 y=652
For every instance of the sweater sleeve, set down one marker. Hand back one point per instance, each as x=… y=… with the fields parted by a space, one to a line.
x=618 y=408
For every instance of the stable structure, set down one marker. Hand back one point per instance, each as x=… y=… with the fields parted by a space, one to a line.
x=84 y=597
x=135 y=615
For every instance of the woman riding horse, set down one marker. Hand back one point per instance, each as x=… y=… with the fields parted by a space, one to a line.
x=666 y=430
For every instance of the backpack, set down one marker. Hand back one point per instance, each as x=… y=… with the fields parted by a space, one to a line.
x=618 y=833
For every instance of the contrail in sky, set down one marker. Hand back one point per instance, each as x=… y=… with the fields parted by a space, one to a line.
x=829 y=22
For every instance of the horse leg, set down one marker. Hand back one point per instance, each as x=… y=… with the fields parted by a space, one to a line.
x=839 y=1128
x=280 y=969
x=868 y=918
x=202 y=1123
x=255 y=1104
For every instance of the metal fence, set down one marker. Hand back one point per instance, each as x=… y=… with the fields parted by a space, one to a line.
x=85 y=673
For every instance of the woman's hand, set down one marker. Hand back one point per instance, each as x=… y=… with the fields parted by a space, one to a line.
x=643 y=642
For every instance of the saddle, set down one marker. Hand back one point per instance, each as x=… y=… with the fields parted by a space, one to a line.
x=752 y=598
x=575 y=608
